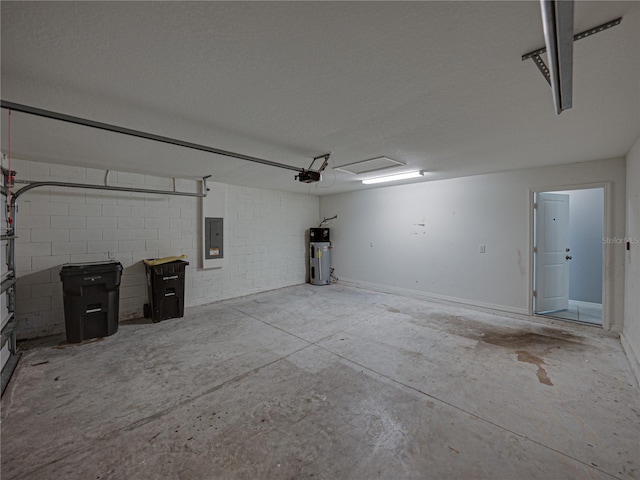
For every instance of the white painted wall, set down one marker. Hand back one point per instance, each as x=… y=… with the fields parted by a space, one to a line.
x=585 y=236
x=441 y=258
x=631 y=332
x=266 y=239
x=586 y=211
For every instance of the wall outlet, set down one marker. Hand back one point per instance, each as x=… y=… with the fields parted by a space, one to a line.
x=111 y=255
x=482 y=248
x=371 y=244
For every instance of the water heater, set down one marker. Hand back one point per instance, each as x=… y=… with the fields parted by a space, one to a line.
x=320 y=256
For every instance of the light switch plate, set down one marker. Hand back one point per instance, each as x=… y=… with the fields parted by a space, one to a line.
x=482 y=248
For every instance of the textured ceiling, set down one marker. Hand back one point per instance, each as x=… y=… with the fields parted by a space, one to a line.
x=439 y=86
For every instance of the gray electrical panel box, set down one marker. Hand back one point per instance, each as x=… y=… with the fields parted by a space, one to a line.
x=213 y=236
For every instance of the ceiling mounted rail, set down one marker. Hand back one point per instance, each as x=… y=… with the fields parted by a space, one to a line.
x=137 y=133
x=31 y=185
x=579 y=36
x=557 y=20
x=536 y=55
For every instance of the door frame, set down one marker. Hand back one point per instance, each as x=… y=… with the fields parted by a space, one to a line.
x=607 y=257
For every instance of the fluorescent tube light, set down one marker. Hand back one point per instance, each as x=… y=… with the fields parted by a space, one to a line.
x=557 y=21
x=393 y=178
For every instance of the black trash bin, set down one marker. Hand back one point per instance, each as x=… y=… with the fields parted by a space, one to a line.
x=91 y=293
x=165 y=287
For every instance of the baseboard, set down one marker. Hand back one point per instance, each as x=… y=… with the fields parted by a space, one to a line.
x=436 y=298
x=588 y=304
x=631 y=355
x=501 y=310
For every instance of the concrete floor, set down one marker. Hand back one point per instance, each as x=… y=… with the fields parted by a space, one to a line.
x=325 y=383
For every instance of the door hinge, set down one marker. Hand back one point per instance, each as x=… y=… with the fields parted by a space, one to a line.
x=535 y=249
x=535 y=293
x=535 y=205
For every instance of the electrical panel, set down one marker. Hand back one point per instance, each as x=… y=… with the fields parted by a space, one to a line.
x=213 y=238
x=214 y=227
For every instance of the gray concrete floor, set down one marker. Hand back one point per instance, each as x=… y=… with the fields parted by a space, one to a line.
x=325 y=383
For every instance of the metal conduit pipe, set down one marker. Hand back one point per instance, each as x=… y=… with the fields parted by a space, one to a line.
x=137 y=133
x=31 y=185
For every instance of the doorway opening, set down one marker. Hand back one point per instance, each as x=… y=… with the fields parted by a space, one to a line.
x=568 y=254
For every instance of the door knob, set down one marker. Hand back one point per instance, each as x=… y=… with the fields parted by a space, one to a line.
x=568 y=257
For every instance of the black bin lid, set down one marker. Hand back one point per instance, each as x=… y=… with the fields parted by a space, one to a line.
x=71 y=269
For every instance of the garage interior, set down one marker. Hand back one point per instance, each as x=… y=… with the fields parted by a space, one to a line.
x=416 y=342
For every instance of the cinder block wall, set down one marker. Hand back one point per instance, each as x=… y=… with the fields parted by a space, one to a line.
x=265 y=249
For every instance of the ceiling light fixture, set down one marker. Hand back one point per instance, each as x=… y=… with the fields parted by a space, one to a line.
x=393 y=178
x=557 y=21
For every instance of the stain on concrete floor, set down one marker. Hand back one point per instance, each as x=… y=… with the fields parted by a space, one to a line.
x=528 y=345
x=505 y=336
x=527 y=357
x=221 y=394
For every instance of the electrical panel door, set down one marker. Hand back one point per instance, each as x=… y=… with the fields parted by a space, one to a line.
x=213 y=237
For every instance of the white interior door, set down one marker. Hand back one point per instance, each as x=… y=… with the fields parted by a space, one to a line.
x=552 y=252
